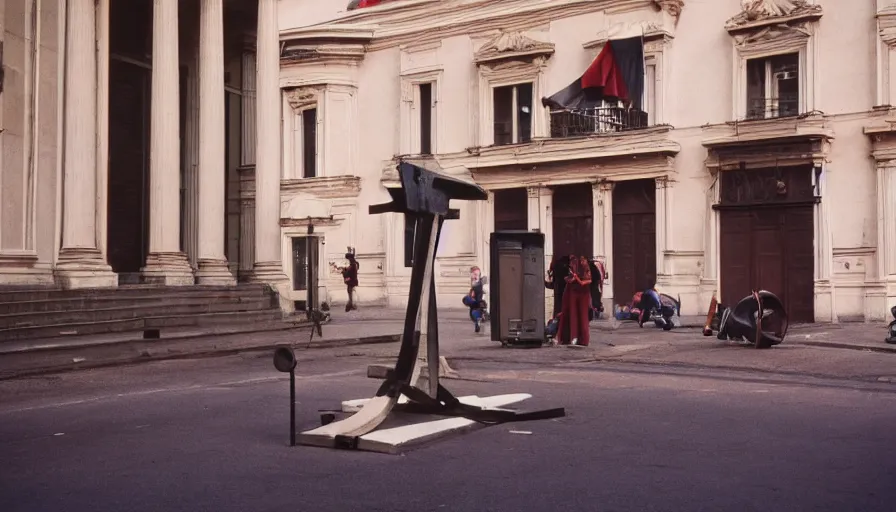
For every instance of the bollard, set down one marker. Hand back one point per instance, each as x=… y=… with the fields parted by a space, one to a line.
x=285 y=361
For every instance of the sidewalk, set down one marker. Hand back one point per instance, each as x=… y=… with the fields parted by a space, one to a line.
x=365 y=326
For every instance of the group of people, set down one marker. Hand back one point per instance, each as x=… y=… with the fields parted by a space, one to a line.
x=577 y=282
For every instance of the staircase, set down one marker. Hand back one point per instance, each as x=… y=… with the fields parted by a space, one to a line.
x=27 y=314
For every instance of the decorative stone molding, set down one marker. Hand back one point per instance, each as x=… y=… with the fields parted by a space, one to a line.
x=419 y=22
x=512 y=46
x=301 y=98
x=886 y=24
x=759 y=14
x=772 y=27
x=325 y=43
x=545 y=151
x=672 y=7
x=329 y=187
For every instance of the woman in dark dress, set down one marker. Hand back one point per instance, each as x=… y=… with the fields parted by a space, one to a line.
x=555 y=280
x=574 y=328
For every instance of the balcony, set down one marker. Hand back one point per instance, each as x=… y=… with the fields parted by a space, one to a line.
x=591 y=121
x=771 y=108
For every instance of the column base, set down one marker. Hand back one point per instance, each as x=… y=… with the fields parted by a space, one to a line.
x=269 y=272
x=84 y=268
x=825 y=310
x=214 y=273
x=168 y=269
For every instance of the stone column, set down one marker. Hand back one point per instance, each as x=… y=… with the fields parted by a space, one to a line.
x=247 y=150
x=886 y=232
x=213 y=266
x=268 y=267
x=166 y=263
x=81 y=264
x=602 y=204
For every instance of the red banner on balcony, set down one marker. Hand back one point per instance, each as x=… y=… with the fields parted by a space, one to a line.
x=616 y=74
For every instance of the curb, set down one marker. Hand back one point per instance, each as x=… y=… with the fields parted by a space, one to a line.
x=890 y=349
x=142 y=351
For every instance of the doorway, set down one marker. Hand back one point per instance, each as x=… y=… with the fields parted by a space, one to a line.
x=511 y=209
x=305 y=255
x=769 y=249
x=573 y=220
x=634 y=238
x=767 y=237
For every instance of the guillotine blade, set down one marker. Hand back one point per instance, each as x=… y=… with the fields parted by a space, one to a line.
x=425 y=196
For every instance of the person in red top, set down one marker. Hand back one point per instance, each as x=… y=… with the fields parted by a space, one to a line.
x=574 y=328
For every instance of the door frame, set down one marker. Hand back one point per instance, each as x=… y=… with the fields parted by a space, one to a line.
x=825 y=301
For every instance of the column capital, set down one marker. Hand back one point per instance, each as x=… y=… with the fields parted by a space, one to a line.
x=532 y=192
x=603 y=186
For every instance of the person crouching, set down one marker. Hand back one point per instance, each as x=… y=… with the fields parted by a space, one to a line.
x=473 y=302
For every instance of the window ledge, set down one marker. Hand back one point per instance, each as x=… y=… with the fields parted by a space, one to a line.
x=325 y=187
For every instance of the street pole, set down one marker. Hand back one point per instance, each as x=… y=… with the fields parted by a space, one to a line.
x=292 y=408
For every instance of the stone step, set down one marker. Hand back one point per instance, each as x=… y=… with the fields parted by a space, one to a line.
x=9 y=295
x=111 y=301
x=136 y=324
x=115 y=310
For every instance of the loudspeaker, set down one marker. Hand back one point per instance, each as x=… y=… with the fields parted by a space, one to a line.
x=284 y=359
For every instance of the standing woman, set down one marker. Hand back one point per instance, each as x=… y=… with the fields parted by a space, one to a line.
x=574 y=328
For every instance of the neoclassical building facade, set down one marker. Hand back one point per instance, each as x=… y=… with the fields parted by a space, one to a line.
x=126 y=128
x=198 y=142
x=744 y=159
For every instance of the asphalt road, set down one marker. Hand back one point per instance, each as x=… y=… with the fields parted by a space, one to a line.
x=212 y=435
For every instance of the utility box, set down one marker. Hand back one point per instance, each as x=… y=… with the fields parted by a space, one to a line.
x=517 y=287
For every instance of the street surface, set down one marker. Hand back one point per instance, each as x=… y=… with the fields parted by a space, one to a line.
x=655 y=421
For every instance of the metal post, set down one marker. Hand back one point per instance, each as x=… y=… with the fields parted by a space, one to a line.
x=292 y=408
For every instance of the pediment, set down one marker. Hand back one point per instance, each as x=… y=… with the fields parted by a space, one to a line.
x=512 y=46
x=759 y=14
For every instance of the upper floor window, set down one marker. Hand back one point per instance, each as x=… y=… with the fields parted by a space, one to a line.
x=513 y=113
x=424 y=92
x=773 y=86
x=309 y=143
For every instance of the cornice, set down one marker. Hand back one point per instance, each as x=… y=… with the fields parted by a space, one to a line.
x=345 y=33
x=760 y=14
x=512 y=46
x=637 y=142
x=812 y=127
x=652 y=31
x=422 y=21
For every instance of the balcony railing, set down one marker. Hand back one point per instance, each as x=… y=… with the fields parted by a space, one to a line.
x=770 y=108
x=575 y=123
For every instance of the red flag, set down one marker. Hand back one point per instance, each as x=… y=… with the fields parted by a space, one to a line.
x=368 y=3
x=605 y=73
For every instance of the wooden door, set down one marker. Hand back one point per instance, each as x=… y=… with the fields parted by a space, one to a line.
x=634 y=238
x=572 y=220
x=769 y=249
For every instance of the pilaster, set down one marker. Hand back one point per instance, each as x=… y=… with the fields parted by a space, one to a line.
x=213 y=266
x=81 y=264
x=533 y=218
x=165 y=263
x=886 y=230
x=825 y=309
x=602 y=204
x=663 y=230
x=268 y=267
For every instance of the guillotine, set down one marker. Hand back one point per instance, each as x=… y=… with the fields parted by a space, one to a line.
x=425 y=196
